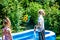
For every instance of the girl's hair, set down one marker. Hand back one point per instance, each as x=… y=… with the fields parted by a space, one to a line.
x=6 y=21
x=41 y=11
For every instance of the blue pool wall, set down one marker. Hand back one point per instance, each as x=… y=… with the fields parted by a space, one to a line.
x=28 y=33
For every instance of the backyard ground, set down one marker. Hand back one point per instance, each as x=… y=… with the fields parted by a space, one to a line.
x=58 y=37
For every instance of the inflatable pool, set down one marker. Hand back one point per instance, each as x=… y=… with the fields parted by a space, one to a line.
x=29 y=35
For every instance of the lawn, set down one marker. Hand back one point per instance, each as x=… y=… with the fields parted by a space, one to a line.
x=58 y=37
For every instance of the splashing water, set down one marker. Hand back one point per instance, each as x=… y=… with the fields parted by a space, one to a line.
x=35 y=34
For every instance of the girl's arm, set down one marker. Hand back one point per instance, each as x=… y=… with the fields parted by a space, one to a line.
x=10 y=35
x=39 y=24
x=36 y=26
x=2 y=35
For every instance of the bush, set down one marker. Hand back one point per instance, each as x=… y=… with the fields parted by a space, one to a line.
x=14 y=11
x=52 y=19
x=32 y=10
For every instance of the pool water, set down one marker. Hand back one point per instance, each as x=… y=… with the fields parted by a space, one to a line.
x=29 y=35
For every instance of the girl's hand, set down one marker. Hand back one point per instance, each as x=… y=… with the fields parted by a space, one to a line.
x=34 y=29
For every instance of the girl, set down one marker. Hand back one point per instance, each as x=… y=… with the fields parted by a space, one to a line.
x=40 y=25
x=6 y=32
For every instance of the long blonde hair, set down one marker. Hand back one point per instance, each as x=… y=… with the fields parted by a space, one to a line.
x=7 y=22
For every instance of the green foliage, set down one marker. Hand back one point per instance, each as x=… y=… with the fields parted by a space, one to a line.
x=52 y=19
x=24 y=3
x=32 y=10
x=1 y=12
x=14 y=11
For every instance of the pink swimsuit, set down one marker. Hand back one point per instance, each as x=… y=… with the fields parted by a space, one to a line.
x=6 y=34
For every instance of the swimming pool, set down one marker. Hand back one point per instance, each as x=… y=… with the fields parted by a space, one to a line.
x=29 y=35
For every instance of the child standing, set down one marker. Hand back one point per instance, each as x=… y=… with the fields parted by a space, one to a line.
x=6 y=32
x=40 y=25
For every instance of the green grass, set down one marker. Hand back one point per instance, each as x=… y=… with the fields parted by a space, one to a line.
x=0 y=33
x=58 y=37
